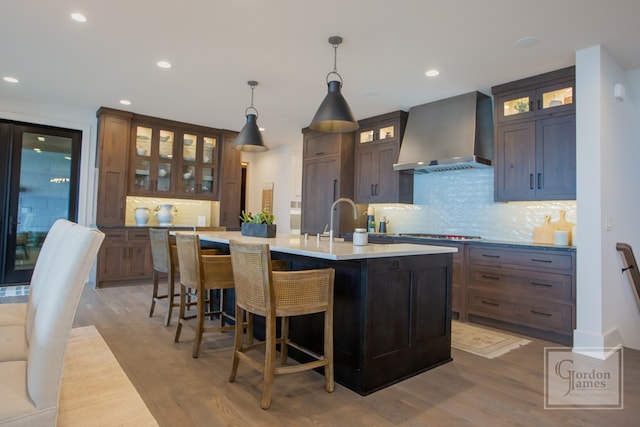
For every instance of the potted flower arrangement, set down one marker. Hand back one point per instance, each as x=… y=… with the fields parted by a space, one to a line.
x=259 y=224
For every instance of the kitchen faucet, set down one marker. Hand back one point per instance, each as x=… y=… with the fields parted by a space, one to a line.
x=341 y=199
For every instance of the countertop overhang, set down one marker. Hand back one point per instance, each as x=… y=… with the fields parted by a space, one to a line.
x=338 y=251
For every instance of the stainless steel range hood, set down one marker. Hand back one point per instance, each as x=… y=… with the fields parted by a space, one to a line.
x=453 y=133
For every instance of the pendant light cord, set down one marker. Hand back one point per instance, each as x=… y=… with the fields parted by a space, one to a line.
x=335 y=42
x=253 y=85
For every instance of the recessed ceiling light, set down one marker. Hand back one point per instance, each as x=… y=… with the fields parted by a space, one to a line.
x=164 y=64
x=261 y=129
x=41 y=138
x=10 y=79
x=527 y=41
x=78 y=17
x=125 y=102
x=432 y=73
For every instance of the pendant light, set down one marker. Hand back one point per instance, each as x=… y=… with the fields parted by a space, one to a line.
x=334 y=114
x=250 y=138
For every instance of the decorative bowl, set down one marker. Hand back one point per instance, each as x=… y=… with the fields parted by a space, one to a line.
x=141 y=151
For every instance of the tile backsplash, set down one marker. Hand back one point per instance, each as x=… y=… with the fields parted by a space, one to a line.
x=187 y=212
x=461 y=202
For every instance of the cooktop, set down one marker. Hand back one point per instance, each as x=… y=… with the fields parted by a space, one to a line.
x=440 y=236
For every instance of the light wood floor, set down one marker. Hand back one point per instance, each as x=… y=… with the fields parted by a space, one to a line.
x=470 y=391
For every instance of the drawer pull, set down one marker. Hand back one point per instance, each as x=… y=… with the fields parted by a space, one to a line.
x=548 y=261
x=484 y=276
x=541 y=313
x=492 y=304
x=546 y=285
x=490 y=256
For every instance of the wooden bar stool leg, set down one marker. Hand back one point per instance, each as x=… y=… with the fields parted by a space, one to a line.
x=237 y=343
x=170 y=298
x=200 y=315
x=328 y=351
x=284 y=344
x=269 y=362
x=183 y=303
x=154 y=296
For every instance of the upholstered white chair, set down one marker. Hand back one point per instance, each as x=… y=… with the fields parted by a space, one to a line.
x=29 y=388
x=15 y=317
x=16 y=313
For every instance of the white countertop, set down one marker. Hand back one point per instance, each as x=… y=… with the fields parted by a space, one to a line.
x=295 y=244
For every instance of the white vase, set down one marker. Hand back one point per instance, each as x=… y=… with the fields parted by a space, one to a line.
x=165 y=214
x=142 y=216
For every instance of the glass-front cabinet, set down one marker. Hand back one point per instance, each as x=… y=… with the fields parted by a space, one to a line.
x=198 y=166
x=379 y=132
x=173 y=163
x=542 y=101
x=153 y=160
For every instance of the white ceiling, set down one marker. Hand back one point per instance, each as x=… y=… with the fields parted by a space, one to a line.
x=215 y=46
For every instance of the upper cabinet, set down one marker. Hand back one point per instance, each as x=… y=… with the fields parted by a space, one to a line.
x=171 y=161
x=147 y=156
x=535 y=138
x=327 y=175
x=377 y=146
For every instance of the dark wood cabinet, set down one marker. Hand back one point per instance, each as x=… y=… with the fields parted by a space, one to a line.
x=327 y=174
x=125 y=255
x=230 y=183
x=536 y=138
x=528 y=291
x=114 y=129
x=377 y=146
x=148 y=156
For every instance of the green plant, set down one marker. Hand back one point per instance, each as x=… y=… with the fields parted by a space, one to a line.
x=264 y=217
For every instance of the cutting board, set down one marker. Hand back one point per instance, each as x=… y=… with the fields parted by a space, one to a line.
x=544 y=233
x=563 y=225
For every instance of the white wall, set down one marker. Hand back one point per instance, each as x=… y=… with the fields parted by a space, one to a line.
x=281 y=167
x=607 y=313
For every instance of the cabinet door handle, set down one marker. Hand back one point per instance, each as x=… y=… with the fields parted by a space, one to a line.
x=320 y=153
x=376 y=193
x=530 y=181
x=540 y=313
x=335 y=183
x=548 y=261
x=531 y=106
x=492 y=304
x=546 y=285
x=490 y=256
x=539 y=181
x=484 y=276
x=372 y=190
x=539 y=105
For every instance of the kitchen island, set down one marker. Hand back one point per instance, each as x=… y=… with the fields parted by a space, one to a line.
x=392 y=305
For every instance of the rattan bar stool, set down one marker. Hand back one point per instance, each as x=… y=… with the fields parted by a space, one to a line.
x=273 y=294
x=202 y=273
x=163 y=264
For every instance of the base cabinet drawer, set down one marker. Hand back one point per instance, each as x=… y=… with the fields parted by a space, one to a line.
x=545 y=260
x=522 y=282
x=526 y=290
x=535 y=314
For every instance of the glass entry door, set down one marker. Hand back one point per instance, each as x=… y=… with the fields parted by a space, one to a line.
x=40 y=182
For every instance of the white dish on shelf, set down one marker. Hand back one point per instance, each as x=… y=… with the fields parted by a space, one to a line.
x=207 y=178
x=141 y=172
x=162 y=172
x=164 y=138
x=141 y=151
x=190 y=159
x=188 y=141
x=186 y=175
x=165 y=156
x=142 y=137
